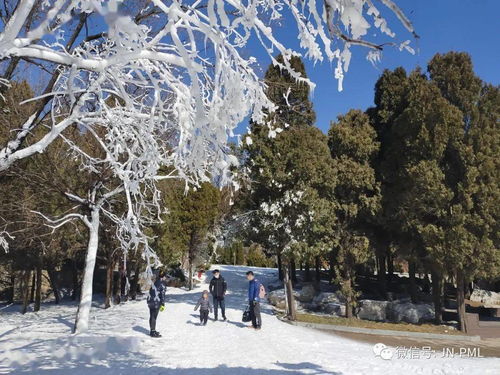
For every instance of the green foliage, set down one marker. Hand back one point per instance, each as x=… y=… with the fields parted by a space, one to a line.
x=187 y=223
x=296 y=162
x=289 y=95
x=256 y=257
x=439 y=166
x=356 y=195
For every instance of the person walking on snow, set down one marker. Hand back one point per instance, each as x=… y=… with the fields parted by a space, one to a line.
x=156 y=302
x=254 y=292
x=205 y=306
x=218 y=288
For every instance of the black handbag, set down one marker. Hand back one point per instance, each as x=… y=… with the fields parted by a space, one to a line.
x=247 y=315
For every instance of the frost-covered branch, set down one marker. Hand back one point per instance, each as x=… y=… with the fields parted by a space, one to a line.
x=188 y=75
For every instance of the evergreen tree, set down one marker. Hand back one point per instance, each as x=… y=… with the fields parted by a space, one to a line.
x=189 y=220
x=356 y=195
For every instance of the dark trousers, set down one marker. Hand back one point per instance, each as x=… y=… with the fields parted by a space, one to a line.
x=255 y=313
x=203 y=316
x=153 y=315
x=219 y=302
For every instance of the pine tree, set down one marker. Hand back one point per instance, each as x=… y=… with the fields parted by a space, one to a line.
x=190 y=218
x=356 y=195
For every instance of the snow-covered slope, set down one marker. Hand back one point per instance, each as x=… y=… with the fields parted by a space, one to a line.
x=117 y=343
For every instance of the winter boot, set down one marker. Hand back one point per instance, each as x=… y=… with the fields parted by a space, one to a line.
x=155 y=334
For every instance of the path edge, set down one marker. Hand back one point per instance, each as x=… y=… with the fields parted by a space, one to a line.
x=382 y=332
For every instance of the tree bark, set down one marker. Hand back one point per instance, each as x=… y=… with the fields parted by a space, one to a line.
x=83 y=313
x=307 y=272
x=413 y=284
x=12 y=287
x=290 y=300
x=38 y=291
x=461 y=300
x=293 y=271
x=119 y=284
x=135 y=281
x=109 y=283
x=332 y=274
x=280 y=267
x=349 y=301
x=33 y=287
x=381 y=275
x=437 y=297
x=390 y=265
x=53 y=284
x=26 y=291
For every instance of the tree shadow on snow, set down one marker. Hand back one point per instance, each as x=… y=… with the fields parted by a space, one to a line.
x=86 y=355
x=126 y=368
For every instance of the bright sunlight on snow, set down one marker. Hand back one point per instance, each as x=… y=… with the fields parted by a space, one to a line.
x=118 y=343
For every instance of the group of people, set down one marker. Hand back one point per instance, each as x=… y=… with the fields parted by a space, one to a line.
x=218 y=289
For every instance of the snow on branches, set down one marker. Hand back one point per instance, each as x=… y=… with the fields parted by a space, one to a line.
x=168 y=94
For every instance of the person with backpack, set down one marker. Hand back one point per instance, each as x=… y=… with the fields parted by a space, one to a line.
x=156 y=302
x=256 y=293
x=218 y=288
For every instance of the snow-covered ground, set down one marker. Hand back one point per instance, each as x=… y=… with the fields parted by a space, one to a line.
x=117 y=343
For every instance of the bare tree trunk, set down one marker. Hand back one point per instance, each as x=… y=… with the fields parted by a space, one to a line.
x=437 y=297
x=135 y=281
x=317 y=269
x=307 y=272
x=413 y=284
x=331 y=273
x=12 y=287
x=38 y=291
x=461 y=300
x=381 y=275
x=109 y=283
x=26 y=291
x=293 y=271
x=280 y=267
x=390 y=265
x=118 y=287
x=83 y=313
x=53 y=284
x=349 y=301
x=33 y=287
x=290 y=300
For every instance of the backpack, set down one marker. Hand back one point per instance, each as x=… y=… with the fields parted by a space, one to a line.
x=262 y=291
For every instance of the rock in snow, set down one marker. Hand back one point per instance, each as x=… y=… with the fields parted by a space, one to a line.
x=372 y=310
x=307 y=293
x=117 y=343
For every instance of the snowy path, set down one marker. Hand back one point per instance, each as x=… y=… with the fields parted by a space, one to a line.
x=117 y=343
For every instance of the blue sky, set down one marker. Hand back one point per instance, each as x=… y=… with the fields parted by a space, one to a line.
x=472 y=26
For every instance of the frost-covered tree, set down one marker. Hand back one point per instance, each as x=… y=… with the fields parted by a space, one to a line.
x=169 y=93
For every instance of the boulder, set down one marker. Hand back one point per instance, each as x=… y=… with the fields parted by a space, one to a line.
x=325 y=298
x=373 y=310
x=306 y=294
x=309 y=306
x=410 y=312
x=333 y=308
x=277 y=298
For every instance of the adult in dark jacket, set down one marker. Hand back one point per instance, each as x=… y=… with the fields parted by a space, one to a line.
x=218 y=288
x=156 y=301
x=254 y=300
